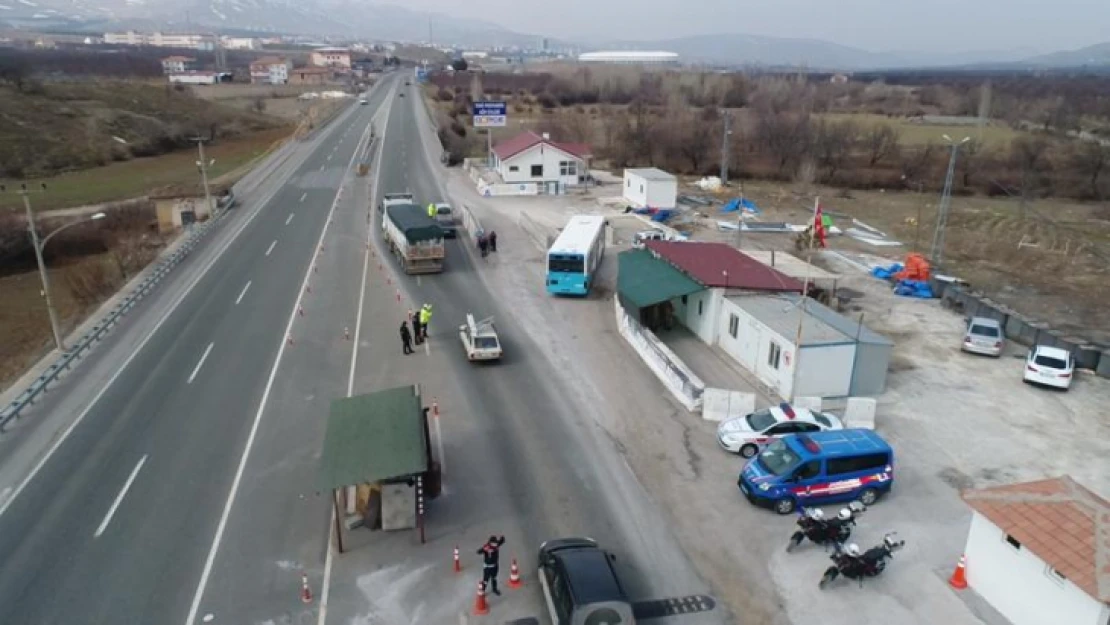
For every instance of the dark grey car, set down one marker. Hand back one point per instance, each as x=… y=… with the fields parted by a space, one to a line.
x=580 y=585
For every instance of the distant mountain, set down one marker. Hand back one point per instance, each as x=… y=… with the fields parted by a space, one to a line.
x=1097 y=55
x=336 y=18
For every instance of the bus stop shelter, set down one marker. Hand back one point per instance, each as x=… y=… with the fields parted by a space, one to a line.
x=377 y=450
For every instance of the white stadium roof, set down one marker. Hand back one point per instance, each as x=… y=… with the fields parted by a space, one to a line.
x=629 y=56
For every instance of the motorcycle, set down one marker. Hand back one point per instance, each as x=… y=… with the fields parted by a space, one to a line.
x=822 y=531
x=850 y=563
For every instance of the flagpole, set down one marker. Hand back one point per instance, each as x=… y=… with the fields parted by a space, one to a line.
x=805 y=289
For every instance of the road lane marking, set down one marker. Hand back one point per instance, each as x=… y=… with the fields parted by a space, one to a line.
x=200 y=363
x=59 y=441
x=221 y=527
x=439 y=448
x=303 y=196
x=289 y=219
x=119 y=498
x=322 y=167
x=329 y=156
x=243 y=292
x=271 y=248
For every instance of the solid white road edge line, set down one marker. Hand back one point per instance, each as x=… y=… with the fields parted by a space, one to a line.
x=325 y=590
x=119 y=497
x=200 y=363
x=439 y=448
x=271 y=248
x=222 y=525
x=303 y=196
x=243 y=292
x=289 y=219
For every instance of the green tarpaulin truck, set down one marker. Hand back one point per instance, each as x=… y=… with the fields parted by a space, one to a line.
x=414 y=237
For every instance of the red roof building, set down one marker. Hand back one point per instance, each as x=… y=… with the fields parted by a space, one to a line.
x=534 y=163
x=1039 y=552
x=723 y=266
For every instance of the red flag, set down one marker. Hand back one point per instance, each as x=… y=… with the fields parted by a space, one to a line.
x=818 y=224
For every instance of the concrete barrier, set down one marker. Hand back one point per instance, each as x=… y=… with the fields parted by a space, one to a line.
x=860 y=413
x=719 y=404
x=683 y=383
x=1104 y=364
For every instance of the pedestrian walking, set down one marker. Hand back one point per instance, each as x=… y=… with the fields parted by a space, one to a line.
x=490 y=552
x=483 y=245
x=493 y=241
x=406 y=339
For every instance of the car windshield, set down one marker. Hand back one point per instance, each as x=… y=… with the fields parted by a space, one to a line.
x=443 y=210
x=822 y=420
x=778 y=458
x=485 y=342
x=982 y=330
x=1050 y=362
x=761 y=420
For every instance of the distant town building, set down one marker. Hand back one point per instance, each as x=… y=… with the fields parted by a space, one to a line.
x=475 y=54
x=240 y=43
x=839 y=79
x=270 y=70
x=310 y=76
x=200 y=78
x=161 y=40
x=177 y=64
x=331 y=57
x=635 y=57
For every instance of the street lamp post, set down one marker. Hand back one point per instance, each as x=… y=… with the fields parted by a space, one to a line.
x=936 y=254
x=39 y=245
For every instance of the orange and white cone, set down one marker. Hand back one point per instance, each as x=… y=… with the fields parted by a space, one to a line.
x=480 y=606
x=514 y=575
x=959 y=576
x=306 y=592
x=458 y=565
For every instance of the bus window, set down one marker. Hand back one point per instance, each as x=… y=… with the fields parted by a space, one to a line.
x=565 y=264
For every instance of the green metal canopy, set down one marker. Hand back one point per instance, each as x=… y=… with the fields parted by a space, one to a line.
x=374 y=437
x=644 y=280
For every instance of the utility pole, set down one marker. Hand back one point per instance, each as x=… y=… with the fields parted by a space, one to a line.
x=54 y=326
x=936 y=254
x=727 y=117
x=202 y=164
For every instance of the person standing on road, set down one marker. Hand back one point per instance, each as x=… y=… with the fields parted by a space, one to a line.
x=406 y=339
x=490 y=552
x=425 y=320
x=432 y=211
x=493 y=241
x=483 y=245
x=416 y=329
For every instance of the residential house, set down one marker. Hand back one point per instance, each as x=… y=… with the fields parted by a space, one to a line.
x=1039 y=552
x=178 y=64
x=533 y=158
x=240 y=43
x=309 y=76
x=339 y=58
x=270 y=70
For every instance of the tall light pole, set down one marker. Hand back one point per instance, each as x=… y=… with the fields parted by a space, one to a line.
x=39 y=245
x=936 y=254
x=727 y=118
x=202 y=165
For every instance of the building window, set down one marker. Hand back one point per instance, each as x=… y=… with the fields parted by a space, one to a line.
x=641 y=188
x=1013 y=542
x=537 y=171
x=568 y=168
x=774 y=354
x=513 y=168
x=733 y=325
x=683 y=300
x=699 y=307
x=1055 y=575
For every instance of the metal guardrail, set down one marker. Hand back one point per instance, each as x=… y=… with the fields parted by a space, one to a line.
x=84 y=345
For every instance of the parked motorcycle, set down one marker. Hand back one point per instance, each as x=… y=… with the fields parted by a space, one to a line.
x=849 y=562
x=813 y=525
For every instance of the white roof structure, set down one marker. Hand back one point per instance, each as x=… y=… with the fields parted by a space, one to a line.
x=629 y=56
x=578 y=235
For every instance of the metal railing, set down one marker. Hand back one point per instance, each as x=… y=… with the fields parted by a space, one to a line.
x=84 y=345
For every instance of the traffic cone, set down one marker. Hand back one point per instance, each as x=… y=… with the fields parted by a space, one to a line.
x=306 y=592
x=435 y=408
x=514 y=575
x=458 y=564
x=480 y=606
x=959 y=576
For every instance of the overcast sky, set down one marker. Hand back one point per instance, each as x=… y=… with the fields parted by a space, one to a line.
x=919 y=25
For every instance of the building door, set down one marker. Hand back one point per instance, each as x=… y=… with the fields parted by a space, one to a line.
x=749 y=344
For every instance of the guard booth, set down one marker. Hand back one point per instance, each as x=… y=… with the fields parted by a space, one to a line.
x=377 y=462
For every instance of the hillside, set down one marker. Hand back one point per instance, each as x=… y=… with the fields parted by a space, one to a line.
x=55 y=127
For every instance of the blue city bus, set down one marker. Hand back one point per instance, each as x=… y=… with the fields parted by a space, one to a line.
x=575 y=255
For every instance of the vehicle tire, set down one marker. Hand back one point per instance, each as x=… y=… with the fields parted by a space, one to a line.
x=795 y=541
x=749 y=451
x=785 y=505
x=829 y=576
x=869 y=496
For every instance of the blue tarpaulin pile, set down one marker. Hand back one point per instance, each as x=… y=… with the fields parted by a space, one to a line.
x=914 y=288
x=662 y=215
x=736 y=204
x=886 y=273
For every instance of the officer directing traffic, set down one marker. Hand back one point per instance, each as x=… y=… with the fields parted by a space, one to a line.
x=490 y=552
x=425 y=319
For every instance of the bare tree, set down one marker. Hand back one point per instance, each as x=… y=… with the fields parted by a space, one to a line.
x=694 y=136
x=832 y=145
x=971 y=157
x=1028 y=155
x=916 y=161
x=881 y=142
x=786 y=137
x=1091 y=159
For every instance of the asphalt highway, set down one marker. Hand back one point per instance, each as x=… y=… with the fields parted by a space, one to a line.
x=116 y=524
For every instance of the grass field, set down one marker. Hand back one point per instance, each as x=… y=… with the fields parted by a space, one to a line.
x=134 y=178
x=993 y=135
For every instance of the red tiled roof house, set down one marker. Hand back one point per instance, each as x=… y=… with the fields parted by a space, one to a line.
x=1039 y=552
x=532 y=158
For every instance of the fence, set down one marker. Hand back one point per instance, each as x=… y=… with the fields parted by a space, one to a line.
x=686 y=387
x=1023 y=330
x=505 y=189
x=470 y=223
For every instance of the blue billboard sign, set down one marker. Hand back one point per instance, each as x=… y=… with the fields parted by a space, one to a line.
x=490 y=114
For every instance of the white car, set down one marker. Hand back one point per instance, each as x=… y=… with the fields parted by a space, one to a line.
x=747 y=434
x=1049 y=366
x=983 y=336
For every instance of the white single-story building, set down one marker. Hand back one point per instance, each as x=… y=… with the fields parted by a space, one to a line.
x=200 y=78
x=532 y=158
x=1039 y=552
x=650 y=188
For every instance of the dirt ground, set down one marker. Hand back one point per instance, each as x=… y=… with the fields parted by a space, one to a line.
x=275 y=100
x=955 y=421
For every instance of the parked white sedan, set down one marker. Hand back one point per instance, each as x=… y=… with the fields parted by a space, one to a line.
x=745 y=435
x=983 y=336
x=1049 y=366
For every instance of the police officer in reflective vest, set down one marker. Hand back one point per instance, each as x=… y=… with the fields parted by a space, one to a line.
x=489 y=552
x=425 y=319
x=432 y=211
